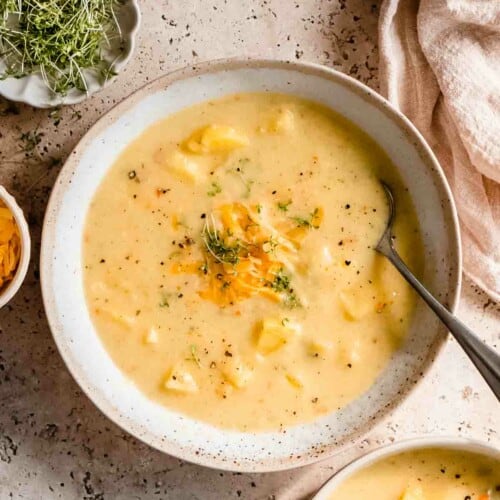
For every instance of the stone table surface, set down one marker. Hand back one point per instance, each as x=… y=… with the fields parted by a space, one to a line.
x=53 y=442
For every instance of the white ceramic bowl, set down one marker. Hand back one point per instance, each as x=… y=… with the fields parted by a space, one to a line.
x=32 y=89
x=448 y=443
x=11 y=288
x=61 y=264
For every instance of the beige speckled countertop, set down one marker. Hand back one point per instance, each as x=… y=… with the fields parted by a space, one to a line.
x=53 y=442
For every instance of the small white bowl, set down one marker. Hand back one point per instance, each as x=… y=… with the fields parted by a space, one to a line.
x=11 y=288
x=33 y=91
x=448 y=443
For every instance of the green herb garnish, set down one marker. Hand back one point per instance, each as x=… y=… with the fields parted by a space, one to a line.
x=283 y=205
x=310 y=221
x=216 y=189
x=59 y=40
x=164 y=301
x=194 y=354
x=281 y=284
x=224 y=249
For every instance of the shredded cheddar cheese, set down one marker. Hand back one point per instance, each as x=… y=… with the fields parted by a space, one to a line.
x=247 y=256
x=10 y=245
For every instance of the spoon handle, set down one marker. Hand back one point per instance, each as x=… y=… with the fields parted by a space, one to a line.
x=486 y=359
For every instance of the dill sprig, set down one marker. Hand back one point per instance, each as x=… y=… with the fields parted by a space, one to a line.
x=61 y=40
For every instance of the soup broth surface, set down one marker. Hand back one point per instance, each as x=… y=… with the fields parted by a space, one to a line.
x=427 y=474
x=229 y=262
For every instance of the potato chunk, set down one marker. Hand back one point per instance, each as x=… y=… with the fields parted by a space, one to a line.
x=124 y=320
x=283 y=121
x=183 y=167
x=215 y=139
x=413 y=493
x=151 y=336
x=180 y=380
x=318 y=348
x=236 y=372
x=355 y=305
x=354 y=352
x=273 y=334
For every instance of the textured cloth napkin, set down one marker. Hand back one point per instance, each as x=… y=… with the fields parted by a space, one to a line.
x=440 y=65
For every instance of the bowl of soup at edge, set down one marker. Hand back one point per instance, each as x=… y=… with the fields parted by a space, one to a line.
x=420 y=469
x=226 y=303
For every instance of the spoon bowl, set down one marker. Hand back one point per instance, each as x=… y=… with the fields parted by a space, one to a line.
x=486 y=360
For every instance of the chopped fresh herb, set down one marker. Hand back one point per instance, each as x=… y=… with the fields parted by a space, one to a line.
x=283 y=205
x=216 y=189
x=194 y=354
x=164 y=300
x=281 y=284
x=259 y=208
x=284 y=321
x=226 y=250
x=59 y=40
x=291 y=300
x=310 y=221
x=301 y=222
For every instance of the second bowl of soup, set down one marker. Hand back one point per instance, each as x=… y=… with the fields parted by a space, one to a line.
x=425 y=469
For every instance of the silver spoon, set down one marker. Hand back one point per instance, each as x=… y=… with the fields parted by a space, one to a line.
x=486 y=360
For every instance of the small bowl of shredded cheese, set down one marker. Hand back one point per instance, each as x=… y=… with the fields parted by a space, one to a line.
x=15 y=247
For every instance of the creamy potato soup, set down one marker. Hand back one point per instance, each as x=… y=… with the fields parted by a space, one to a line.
x=427 y=474
x=229 y=262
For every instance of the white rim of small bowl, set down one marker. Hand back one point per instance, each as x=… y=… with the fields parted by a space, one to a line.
x=445 y=442
x=22 y=268
x=54 y=100
x=193 y=455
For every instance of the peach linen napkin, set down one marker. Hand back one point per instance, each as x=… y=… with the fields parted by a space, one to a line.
x=440 y=65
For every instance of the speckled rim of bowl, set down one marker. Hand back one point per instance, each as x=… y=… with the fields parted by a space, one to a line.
x=22 y=268
x=21 y=89
x=445 y=442
x=407 y=128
